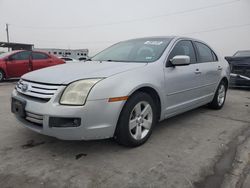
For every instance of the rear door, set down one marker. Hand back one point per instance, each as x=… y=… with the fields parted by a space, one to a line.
x=40 y=60
x=182 y=83
x=19 y=64
x=211 y=69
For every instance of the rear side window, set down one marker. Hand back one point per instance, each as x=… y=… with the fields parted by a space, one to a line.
x=37 y=55
x=21 y=56
x=205 y=54
x=184 y=47
x=215 y=56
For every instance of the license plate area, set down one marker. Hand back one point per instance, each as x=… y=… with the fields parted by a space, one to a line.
x=18 y=107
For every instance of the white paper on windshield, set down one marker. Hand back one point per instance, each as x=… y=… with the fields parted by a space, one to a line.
x=153 y=42
x=149 y=58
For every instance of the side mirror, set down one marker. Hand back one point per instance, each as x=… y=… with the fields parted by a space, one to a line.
x=180 y=60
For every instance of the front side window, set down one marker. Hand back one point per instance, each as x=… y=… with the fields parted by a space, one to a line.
x=205 y=53
x=137 y=50
x=37 y=55
x=184 y=47
x=21 y=56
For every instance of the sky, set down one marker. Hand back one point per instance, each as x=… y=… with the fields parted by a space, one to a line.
x=97 y=24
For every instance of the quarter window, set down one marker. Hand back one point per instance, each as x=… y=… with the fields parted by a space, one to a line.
x=36 y=55
x=205 y=53
x=184 y=47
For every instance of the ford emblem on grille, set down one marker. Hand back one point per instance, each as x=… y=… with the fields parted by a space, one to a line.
x=25 y=87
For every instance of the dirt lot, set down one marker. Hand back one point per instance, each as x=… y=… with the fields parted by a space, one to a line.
x=201 y=148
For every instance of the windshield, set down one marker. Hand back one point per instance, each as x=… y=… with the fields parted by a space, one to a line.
x=5 y=54
x=137 y=50
x=242 y=54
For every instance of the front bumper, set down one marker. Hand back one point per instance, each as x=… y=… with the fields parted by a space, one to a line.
x=98 y=118
x=237 y=80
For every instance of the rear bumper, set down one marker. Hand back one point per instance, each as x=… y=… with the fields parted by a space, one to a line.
x=239 y=80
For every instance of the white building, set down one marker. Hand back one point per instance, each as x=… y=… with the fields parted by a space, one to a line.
x=76 y=54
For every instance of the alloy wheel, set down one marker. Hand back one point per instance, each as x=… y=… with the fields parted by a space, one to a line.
x=140 y=121
x=1 y=75
x=221 y=94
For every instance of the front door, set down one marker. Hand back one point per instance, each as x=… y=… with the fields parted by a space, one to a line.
x=182 y=83
x=18 y=64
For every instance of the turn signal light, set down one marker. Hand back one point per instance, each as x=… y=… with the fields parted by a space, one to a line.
x=115 y=99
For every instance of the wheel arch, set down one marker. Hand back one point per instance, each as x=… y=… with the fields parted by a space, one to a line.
x=225 y=79
x=152 y=93
x=4 y=73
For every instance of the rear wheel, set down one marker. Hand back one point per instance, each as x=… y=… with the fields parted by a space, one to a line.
x=1 y=75
x=219 y=97
x=136 y=121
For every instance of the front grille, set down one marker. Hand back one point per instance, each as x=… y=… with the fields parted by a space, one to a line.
x=34 y=118
x=242 y=70
x=36 y=90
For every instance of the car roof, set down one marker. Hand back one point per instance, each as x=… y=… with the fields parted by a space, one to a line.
x=176 y=38
x=168 y=37
x=153 y=37
x=15 y=51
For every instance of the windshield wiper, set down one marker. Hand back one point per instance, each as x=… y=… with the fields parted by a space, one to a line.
x=110 y=60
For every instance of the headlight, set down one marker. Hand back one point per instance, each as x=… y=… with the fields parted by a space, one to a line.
x=76 y=93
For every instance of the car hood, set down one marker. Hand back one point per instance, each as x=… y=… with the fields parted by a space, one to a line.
x=66 y=73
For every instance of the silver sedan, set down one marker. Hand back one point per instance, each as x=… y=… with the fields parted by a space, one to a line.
x=123 y=91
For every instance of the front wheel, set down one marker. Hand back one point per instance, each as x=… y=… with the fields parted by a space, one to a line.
x=136 y=121
x=219 y=97
x=1 y=75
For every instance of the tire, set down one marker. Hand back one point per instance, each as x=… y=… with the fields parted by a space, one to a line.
x=219 y=97
x=2 y=75
x=134 y=128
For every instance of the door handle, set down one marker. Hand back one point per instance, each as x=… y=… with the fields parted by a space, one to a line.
x=197 y=71
x=219 y=68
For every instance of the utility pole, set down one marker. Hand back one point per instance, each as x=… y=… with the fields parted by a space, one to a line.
x=8 y=37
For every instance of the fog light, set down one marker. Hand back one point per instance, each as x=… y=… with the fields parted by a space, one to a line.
x=64 y=122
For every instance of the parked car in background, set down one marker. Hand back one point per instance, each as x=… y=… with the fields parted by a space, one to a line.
x=16 y=63
x=83 y=58
x=69 y=59
x=240 y=69
x=124 y=91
